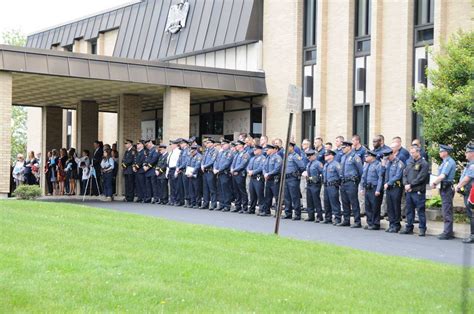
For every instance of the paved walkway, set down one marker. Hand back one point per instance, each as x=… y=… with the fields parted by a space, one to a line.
x=429 y=248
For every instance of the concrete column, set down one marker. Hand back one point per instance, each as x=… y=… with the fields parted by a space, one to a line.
x=129 y=127
x=52 y=135
x=6 y=92
x=87 y=117
x=176 y=113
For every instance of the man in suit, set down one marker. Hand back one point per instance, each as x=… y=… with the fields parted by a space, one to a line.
x=96 y=160
x=127 y=163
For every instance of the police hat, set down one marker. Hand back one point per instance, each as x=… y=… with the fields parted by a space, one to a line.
x=269 y=146
x=163 y=146
x=470 y=147
x=233 y=143
x=239 y=142
x=193 y=147
x=387 y=152
x=346 y=143
x=127 y=141
x=370 y=153
x=192 y=139
x=445 y=148
x=141 y=142
x=210 y=140
x=310 y=152
x=258 y=147
x=330 y=152
x=225 y=141
x=292 y=143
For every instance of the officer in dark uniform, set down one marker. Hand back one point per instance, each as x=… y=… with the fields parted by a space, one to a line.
x=127 y=163
x=139 y=172
x=319 y=149
x=415 y=177
x=445 y=178
x=351 y=171
x=149 y=165
x=372 y=188
x=193 y=173
x=209 y=179
x=181 y=170
x=271 y=174
x=222 y=171
x=239 y=176
x=465 y=185
x=314 y=175
x=294 y=167
x=332 y=172
x=160 y=170
x=256 y=184
x=393 y=188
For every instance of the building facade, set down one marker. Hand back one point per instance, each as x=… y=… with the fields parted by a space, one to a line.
x=358 y=62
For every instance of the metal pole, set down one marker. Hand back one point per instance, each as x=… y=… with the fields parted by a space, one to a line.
x=281 y=190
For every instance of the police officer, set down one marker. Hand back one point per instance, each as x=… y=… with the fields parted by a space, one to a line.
x=393 y=186
x=193 y=173
x=372 y=189
x=465 y=185
x=319 y=149
x=222 y=171
x=183 y=181
x=294 y=167
x=149 y=164
x=256 y=184
x=271 y=174
x=160 y=170
x=313 y=174
x=445 y=178
x=332 y=172
x=139 y=172
x=209 y=179
x=173 y=178
x=239 y=176
x=127 y=166
x=338 y=150
x=351 y=171
x=415 y=177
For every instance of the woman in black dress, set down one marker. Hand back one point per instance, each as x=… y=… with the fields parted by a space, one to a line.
x=71 y=172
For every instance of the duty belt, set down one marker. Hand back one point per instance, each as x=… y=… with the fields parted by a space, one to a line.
x=313 y=180
x=293 y=174
x=445 y=185
x=350 y=179
x=369 y=186
x=257 y=177
x=332 y=183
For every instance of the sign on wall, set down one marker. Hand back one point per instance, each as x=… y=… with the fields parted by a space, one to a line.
x=177 y=17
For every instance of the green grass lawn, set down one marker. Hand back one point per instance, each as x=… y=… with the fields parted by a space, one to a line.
x=60 y=257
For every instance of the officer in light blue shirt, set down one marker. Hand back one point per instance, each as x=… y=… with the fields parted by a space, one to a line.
x=209 y=179
x=239 y=176
x=465 y=186
x=294 y=167
x=351 y=172
x=271 y=174
x=445 y=178
x=180 y=170
x=314 y=176
x=372 y=188
x=332 y=172
x=222 y=170
x=257 y=183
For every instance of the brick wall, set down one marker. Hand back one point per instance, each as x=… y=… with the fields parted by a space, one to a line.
x=176 y=111
x=5 y=131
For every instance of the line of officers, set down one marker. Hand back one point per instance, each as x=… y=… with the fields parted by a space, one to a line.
x=215 y=176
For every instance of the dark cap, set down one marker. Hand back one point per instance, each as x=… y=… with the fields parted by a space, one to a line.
x=141 y=142
x=330 y=152
x=270 y=146
x=239 y=142
x=258 y=147
x=292 y=143
x=387 y=152
x=470 y=147
x=445 y=148
x=193 y=147
x=371 y=153
x=127 y=141
x=163 y=146
x=225 y=141
x=233 y=143
x=310 y=152
x=346 y=143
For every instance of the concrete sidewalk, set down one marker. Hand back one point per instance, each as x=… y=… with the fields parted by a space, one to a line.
x=430 y=248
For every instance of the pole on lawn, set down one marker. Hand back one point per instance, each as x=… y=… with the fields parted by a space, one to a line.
x=293 y=105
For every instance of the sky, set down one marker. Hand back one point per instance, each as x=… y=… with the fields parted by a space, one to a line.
x=30 y=16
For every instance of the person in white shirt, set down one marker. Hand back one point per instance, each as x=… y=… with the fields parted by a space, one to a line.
x=173 y=180
x=107 y=169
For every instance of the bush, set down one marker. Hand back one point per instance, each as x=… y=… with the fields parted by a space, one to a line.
x=434 y=202
x=27 y=192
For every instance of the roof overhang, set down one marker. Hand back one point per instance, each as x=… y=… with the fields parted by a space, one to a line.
x=35 y=70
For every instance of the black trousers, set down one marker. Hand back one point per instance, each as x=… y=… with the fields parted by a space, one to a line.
x=256 y=190
x=313 y=200
x=163 y=189
x=394 y=206
x=129 y=187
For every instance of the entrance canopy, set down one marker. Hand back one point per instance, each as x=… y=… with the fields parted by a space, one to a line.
x=63 y=79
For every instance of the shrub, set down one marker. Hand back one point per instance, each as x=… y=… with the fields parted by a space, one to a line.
x=434 y=202
x=27 y=192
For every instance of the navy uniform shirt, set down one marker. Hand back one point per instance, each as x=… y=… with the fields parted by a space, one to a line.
x=394 y=171
x=150 y=161
x=195 y=163
x=139 y=159
x=240 y=161
x=351 y=165
x=468 y=172
x=332 y=171
x=210 y=157
x=339 y=154
x=272 y=165
x=373 y=174
x=403 y=155
x=314 y=171
x=360 y=152
x=224 y=160
x=295 y=163
x=416 y=174
x=183 y=159
x=320 y=153
x=256 y=164
x=448 y=168
x=380 y=151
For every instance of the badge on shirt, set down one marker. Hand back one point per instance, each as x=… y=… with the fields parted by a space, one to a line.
x=417 y=167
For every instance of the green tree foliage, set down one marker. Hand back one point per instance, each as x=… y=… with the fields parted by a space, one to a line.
x=18 y=131
x=447 y=107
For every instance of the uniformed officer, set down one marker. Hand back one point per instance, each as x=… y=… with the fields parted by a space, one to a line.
x=313 y=174
x=332 y=172
x=351 y=171
x=239 y=176
x=174 y=180
x=358 y=148
x=256 y=184
x=139 y=172
x=294 y=167
x=181 y=170
x=465 y=185
x=445 y=178
x=193 y=172
x=160 y=170
x=379 y=146
x=209 y=179
x=127 y=166
x=415 y=178
x=234 y=190
x=338 y=150
x=149 y=165
x=372 y=189
x=393 y=186
x=222 y=171
x=319 y=149
x=271 y=174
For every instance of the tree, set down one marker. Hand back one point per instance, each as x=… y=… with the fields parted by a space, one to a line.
x=18 y=130
x=447 y=107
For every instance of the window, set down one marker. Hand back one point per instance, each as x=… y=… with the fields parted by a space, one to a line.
x=309 y=39
x=361 y=122
x=94 y=47
x=424 y=18
x=256 y=122
x=308 y=124
x=68 y=128
x=68 y=48
x=363 y=19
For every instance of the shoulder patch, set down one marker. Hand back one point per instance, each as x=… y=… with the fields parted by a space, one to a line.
x=299 y=158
